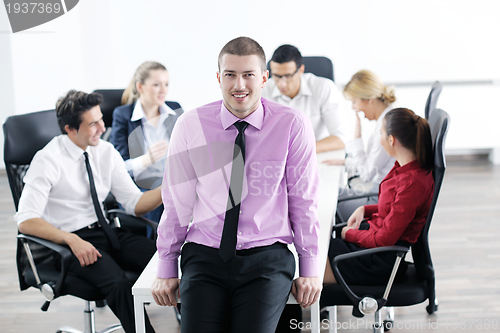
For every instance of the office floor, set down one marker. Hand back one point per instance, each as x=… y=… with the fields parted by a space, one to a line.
x=464 y=243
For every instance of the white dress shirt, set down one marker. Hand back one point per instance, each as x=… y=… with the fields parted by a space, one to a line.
x=57 y=186
x=374 y=163
x=318 y=98
x=151 y=134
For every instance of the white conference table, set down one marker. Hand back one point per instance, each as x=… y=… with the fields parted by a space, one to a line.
x=329 y=180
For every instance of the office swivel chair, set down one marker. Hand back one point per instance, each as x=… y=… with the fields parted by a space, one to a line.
x=432 y=99
x=418 y=284
x=24 y=136
x=319 y=66
x=112 y=99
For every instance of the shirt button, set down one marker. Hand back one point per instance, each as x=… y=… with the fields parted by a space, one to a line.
x=239 y=233
x=241 y=212
x=239 y=246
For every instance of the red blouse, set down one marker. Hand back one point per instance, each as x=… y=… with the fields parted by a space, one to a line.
x=404 y=200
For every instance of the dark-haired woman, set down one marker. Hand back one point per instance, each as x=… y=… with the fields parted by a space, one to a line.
x=405 y=197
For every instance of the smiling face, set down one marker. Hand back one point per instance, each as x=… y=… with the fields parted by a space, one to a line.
x=241 y=80
x=154 y=89
x=90 y=130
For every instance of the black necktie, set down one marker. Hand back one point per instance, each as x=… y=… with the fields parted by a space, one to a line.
x=102 y=221
x=227 y=249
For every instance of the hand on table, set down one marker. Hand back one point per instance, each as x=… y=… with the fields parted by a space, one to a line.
x=306 y=290
x=163 y=291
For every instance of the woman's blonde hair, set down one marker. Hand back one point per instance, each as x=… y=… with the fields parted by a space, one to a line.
x=367 y=85
x=130 y=95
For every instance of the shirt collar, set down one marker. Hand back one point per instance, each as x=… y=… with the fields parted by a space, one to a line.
x=413 y=165
x=73 y=150
x=255 y=119
x=138 y=112
x=382 y=115
x=304 y=89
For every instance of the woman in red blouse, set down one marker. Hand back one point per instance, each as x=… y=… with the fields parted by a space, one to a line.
x=405 y=197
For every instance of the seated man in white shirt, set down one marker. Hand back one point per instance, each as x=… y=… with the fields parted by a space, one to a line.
x=317 y=97
x=61 y=201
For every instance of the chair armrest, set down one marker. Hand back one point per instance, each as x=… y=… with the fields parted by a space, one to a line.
x=353 y=197
x=120 y=212
x=63 y=252
x=355 y=299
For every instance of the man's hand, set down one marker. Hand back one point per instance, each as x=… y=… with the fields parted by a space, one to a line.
x=163 y=291
x=84 y=251
x=306 y=290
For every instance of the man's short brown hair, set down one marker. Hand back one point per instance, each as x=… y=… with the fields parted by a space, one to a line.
x=69 y=108
x=243 y=46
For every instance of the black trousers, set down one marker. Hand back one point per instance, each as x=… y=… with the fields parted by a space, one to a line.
x=246 y=294
x=107 y=272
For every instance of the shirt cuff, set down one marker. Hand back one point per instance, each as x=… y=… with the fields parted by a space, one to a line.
x=134 y=166
x=168 y=268
x=309 y=267
x=370 y=210
x=350 y=235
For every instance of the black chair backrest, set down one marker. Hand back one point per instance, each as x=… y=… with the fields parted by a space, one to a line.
x=439 y=124
x=432 y=99
x=112 y=99
x=24 y=135
x=319 y=66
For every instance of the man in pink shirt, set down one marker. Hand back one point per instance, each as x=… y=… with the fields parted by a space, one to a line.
x=240 y=185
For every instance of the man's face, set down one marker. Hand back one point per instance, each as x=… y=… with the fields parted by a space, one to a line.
x=241 y=80
x=90 y=130
x=287 y=77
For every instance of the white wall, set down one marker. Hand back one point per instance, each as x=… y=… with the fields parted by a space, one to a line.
x=100 y=43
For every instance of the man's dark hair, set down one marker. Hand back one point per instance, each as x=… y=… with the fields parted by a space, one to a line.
x=243 y=46
x=287 y=53
x=69 y=109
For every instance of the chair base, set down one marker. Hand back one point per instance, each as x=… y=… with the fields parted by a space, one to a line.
x=89 y=322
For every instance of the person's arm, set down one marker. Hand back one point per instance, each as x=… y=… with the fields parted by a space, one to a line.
x=179 y=197
x=330 y=108
x=303 y=201
x=148 y=201
x=119 y=134
x=39 y=179
x=407 y=200
x=330 y=143
x=84 y=251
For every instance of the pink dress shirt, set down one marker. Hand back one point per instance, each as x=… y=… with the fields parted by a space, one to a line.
x=279 y=195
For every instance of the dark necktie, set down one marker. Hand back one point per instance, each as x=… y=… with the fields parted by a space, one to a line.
x=102 y=221
x=227 y=249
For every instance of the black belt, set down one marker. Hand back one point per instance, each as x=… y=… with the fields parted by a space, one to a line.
x=254 y=250
x=95 y=225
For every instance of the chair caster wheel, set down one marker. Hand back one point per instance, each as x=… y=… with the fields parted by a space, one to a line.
x=388 y=325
